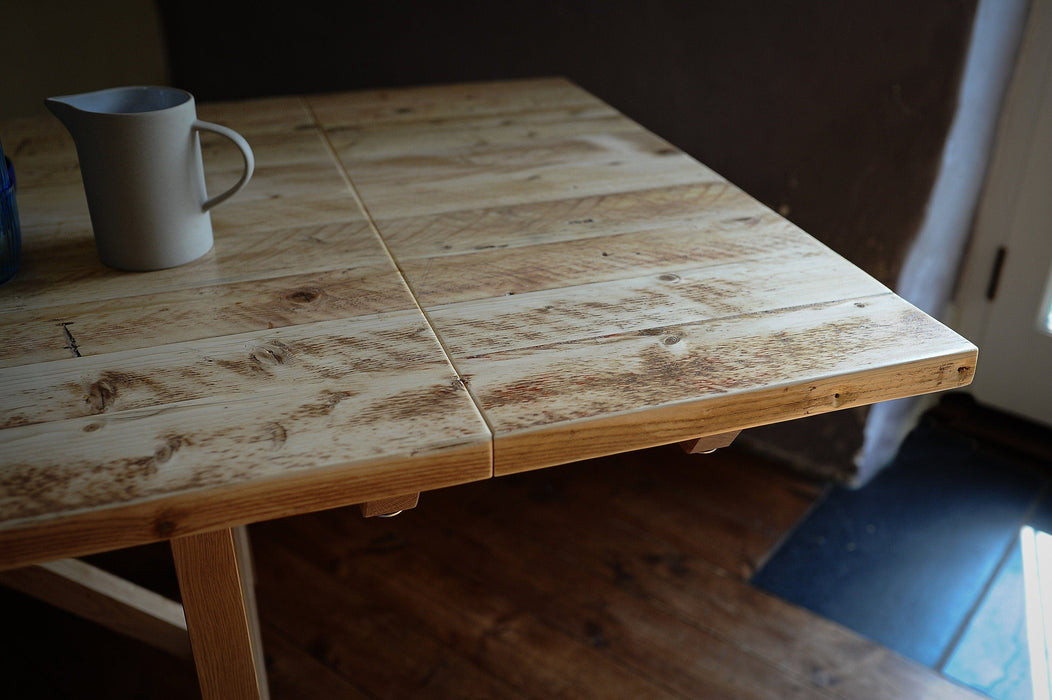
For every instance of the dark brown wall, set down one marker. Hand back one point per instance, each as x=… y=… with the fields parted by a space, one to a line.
x=833 y=113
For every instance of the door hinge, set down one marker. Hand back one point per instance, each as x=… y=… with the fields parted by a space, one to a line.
x=995 y=273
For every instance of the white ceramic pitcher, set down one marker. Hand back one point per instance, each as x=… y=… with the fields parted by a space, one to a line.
x=140 y=159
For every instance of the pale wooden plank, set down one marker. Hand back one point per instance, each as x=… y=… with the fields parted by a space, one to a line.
x=675 y=297
x=149 y=453
x=207 y=506
x=40 y=334
x=378 y=141
x=345 y=355
x=577 y=218
x=266 y=229
x=122 y=606
x=53 y=207
x=602 y=165
x=40 y=148
x=733 y=356
x=227 y=651
x=180 y=438
x=312 y=416
x=172 y=450
x=259 y=116
x=48 y=158
x=280 y=130
x=314 y=179
x=277 y=196
x=71 y=266
x=288 y=163
x=495 y=273
x=427 y=103
x=556 y=403
x=593 y=149
x=560 y=442
x=287 y=147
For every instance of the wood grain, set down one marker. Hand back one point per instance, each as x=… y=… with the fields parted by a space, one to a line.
x=598 y=290
x=340 y=408
x=277 y=374
x=430 y=103
x=640 y=389
x=389 y=506
x=709 y=444
x=595 y=289
x=99 y=596
x=220 y=616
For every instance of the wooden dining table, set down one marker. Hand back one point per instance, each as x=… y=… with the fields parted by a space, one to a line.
x=420 y=287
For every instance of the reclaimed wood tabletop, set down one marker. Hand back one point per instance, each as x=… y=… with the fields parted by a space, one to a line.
x=599 y=290
x=419 y=287
x=288 y=370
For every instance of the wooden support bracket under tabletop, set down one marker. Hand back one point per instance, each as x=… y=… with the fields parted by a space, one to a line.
x=386 y=507
x=709 y=443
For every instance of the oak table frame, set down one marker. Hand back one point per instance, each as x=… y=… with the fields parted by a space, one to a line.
x=419 y=288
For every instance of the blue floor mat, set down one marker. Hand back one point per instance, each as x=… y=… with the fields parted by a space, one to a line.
x=906 y=560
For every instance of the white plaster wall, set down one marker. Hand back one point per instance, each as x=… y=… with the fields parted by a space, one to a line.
x=931 y=268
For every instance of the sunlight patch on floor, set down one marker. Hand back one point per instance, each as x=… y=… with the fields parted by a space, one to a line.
x=1036 y=548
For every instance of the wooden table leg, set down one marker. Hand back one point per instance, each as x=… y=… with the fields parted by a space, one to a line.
x=215 y=570
x=109 y=600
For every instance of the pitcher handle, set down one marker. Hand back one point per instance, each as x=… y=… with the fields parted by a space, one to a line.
x=246 y=153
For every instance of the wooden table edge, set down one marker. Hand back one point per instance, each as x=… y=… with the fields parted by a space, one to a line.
x=577 y=440
x=194 y=512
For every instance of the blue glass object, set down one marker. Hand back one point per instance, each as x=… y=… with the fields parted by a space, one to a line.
x=10 y=233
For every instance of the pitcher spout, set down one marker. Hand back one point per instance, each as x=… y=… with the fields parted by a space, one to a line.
x=63 y=108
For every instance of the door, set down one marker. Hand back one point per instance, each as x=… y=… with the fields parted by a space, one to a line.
x=1005 y=295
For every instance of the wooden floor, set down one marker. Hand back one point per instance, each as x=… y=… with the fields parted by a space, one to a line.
x=623 y=577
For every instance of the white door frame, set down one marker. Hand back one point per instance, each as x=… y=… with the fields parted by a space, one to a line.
x=1005 y=273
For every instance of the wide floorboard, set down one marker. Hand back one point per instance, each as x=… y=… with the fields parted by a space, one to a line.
x=616 y=577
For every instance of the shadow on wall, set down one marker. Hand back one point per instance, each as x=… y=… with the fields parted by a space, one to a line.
x=60 y=47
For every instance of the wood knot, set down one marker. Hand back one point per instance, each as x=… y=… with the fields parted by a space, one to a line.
x=669 y=277
x=270 y=354
x=276 y=434
x=670 y=340
x=102 y=394
x=304 y=296
x=171 y=445
x=165 y=525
